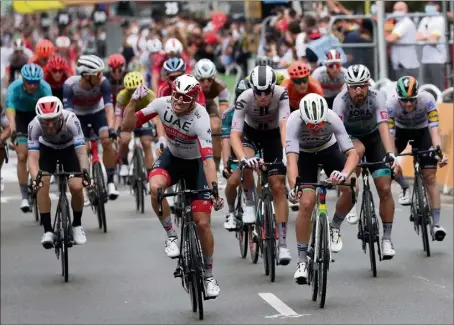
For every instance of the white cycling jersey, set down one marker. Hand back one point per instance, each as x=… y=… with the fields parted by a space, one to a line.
x=70 y=134
x=188 y=136
x=261 y=118
x=331 y=87
x=299 y=138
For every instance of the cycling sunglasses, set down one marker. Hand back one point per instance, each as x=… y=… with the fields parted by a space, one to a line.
x=119 y=68
x=57 y=71
x=185 y=99
x=206 y=79
x=32 y=82
x=408 y=99
x=300 y=80
x=263 y=92
x=356 y=86
x=334 y=65
x=315 y=126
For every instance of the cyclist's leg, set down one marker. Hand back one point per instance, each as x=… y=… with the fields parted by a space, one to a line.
x=382 y=178
x=250 y=149
x=22 y=121
x=352 y=217
x=47 y=163
x=230 y=195
x=125 y=138
x=146 y=137
x=401 y=143
x=429 y=171
x=166 y=172
x=109 y=158
x=307 y=170
x=215 y=123
x=194 y=176
x=70 y=161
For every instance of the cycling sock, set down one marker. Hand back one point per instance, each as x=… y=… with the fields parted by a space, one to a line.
x=302 y=252
x=436 y=217
x=77 y=218
x=231 y=206
x=124 y=161
x=402 y=182
x=387 y=227
x=337 y=221
x=208 y=266
x=24 y=191
x=168 y=227
x=249 y=195
x=110 y=175
x=217 y=161
x=282 y=231
x=45 y=220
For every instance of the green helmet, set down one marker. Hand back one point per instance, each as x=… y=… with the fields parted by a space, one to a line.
x=407 y=87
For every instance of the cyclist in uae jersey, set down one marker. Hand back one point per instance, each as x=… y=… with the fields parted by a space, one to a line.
x=331 y=76
x=21 y=98
x=316 y=135
x=300 y=83
x=132 y=81
x=116 y=74
x=205 y=72
x=89 y=96
x=189 y=155
x=363 y=111
x=413 y=116
x=56 y=135
x=259 y=124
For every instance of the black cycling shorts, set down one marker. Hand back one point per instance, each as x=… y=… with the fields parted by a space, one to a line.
x=375 y=152
x=269 y=141
x=330 y=101
x=331 y=158
x=48 y=158
x=190 y=170
x=422 y=140
x=22 y=120
x=97 y=120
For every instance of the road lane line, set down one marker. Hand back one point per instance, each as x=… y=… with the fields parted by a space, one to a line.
x=278 y=304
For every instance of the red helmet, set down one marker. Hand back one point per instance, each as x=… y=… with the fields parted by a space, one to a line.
x=57 y=63
x=298 y=69
x=116 y=60
x=187 y=87
x=45 y=49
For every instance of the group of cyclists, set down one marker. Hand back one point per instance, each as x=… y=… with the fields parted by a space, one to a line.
x=330 y=117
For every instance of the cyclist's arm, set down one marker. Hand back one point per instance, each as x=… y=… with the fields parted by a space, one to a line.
x=11 y=105
x=237 y=127
x=73 y=124
x=7 y=74
x=133 y=120
x=203 y=132
x=225 y=131
x=34 y=132
x=434 y=121
x=223 y=98
x=391 y=123
x=119 y=109
x=382 y=121
x=345 y=144
x=284 y=113
x=106 y=90
x=68 y=94
x=292 y=148
x=6 y=129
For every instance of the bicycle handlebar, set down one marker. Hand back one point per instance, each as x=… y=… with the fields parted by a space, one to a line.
x=327 y=185
x=416 y=152
x=369 y=164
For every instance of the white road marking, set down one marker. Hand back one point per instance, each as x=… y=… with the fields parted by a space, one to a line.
x=283 y=310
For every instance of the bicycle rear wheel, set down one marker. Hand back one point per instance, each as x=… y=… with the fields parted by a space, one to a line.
x=370 y=234
x=139 y=177
x=323 y=258
x=65 y=221
x=270 y=237
x=313 y=273
x=101 y=193
x=35 y=208
x=423 y=215
x=197 y=268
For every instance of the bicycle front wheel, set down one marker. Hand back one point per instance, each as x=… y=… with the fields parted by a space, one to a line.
x=197 y=268
x=323 y=257
x=370 y=234
x=139 y=177
x=270 y=237
x=101 y=194
x=66 y=221
x=423 y=215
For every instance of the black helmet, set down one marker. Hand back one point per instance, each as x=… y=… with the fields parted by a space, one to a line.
x=242 y=86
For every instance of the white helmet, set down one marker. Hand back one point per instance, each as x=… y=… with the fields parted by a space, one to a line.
x=49 y=107
x=205 y=69
x=313 y=108
x=173 y=46
x=90 y=64
x=154 y=45
x=63 y=41
x=262 y=78
x=357 y=74
x=333 y=56
x=187 y=85
x=18 y=44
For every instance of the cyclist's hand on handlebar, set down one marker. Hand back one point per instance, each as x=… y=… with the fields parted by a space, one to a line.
x=253 y=162
x=218 y=203
x=227 y=172
x=294 y=196
x=443 y=162
x=112 y=133
x=391 y=159
x=338 y=177
x=86 y=179
x=36 y=185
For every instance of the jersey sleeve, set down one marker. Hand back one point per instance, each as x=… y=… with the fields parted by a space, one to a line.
x=11 y=97
x=315 y=86
x=73 y=125
x=432 y=112
x=120 y=103
x=201 y=99
x=343 y=139
x=317 y=74
x=3 y=121
x=106 y=90
x=382 y=111
x=148 y=113
x=240 y=113
x=227 y=123
x=391 y=120
x=203 y=133
x=68 y=94
x=163 y=90
x=34 y=132
x=339 y=107
x=284 y=106
x=292 y=144
x=45 y=88
x=224 y=96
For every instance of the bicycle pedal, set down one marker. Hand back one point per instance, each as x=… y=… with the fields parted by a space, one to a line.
x=208 y=298
x=177 y=273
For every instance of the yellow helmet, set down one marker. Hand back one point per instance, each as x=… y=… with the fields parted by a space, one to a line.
x=133 y=80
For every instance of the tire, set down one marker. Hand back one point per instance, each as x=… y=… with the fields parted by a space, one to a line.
x=368 y=215
x=36 y=210
x=139 y=177
x=197 y=268
x=254 y=247
x=423 y=216
x=101 y=193
x=313 y=268
x=324 y=258
x=65 y=220
x=243 y=240
x=270 y=238
x=178 y=204
x=262 y=238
